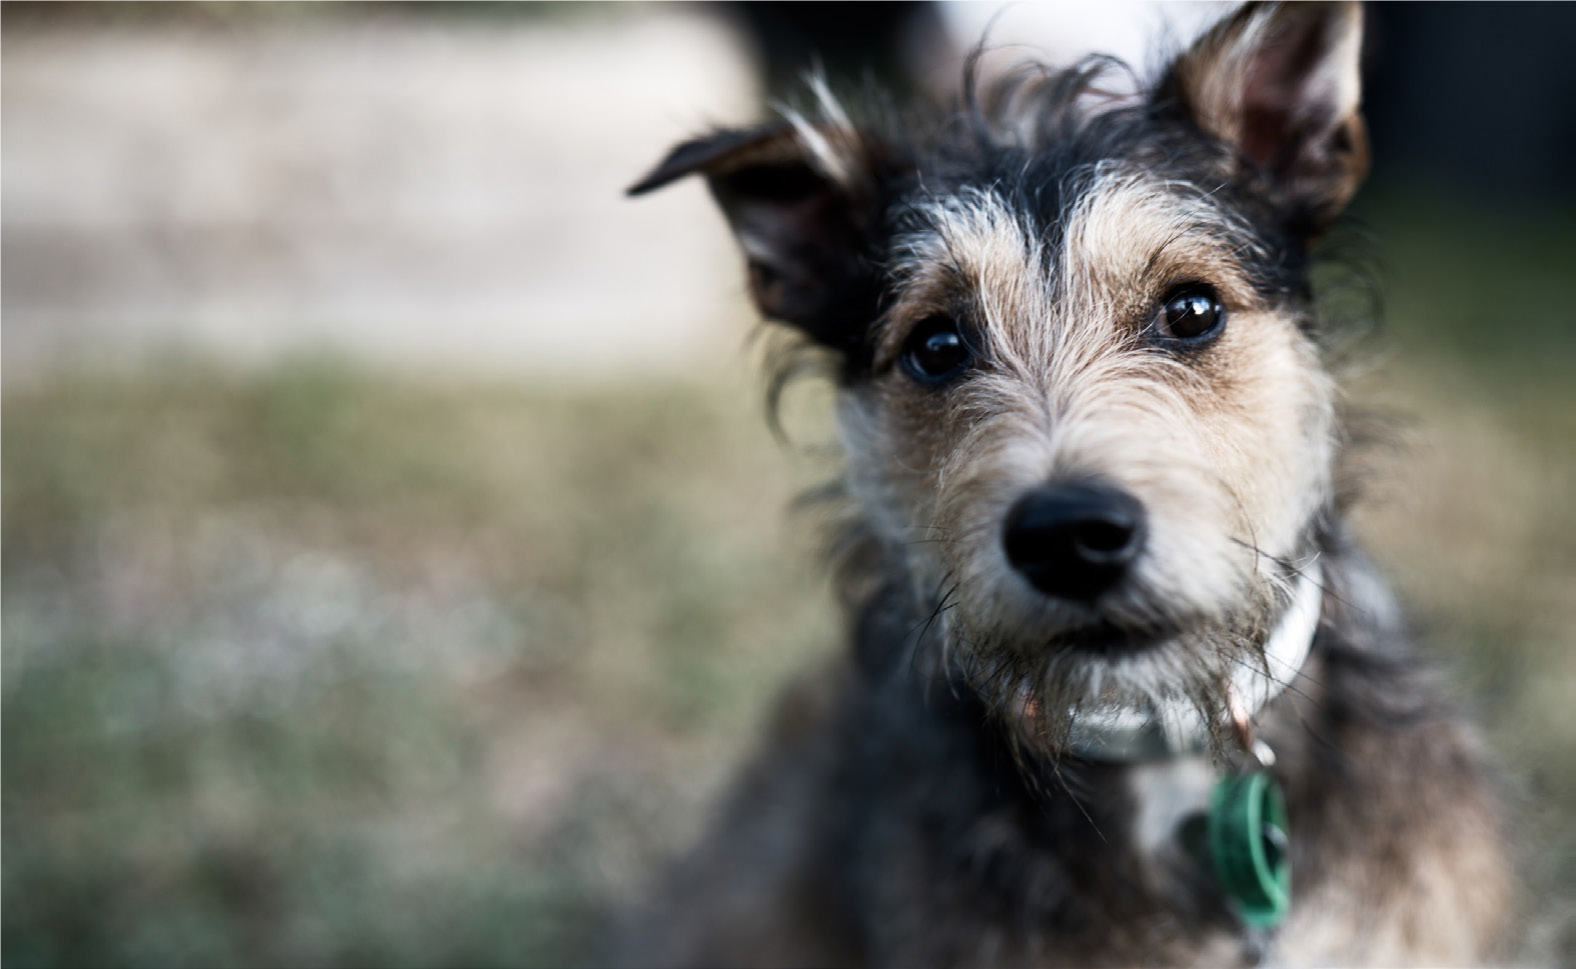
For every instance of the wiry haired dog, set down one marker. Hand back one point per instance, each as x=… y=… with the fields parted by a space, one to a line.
x=1120 y=690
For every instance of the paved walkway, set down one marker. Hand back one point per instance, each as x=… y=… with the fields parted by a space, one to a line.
x=423 y=193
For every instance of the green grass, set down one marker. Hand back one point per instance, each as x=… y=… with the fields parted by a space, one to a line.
x=322 y=667
x=317 y=667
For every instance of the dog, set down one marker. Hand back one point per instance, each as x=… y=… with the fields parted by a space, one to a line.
x=1120 y=688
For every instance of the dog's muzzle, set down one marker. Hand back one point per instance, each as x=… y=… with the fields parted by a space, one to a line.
x=1175 y=727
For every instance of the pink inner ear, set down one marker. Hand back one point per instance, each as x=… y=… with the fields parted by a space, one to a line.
x=1290 y=95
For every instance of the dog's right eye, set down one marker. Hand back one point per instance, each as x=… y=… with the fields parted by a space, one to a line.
x=936 y=352
x=1190 y=314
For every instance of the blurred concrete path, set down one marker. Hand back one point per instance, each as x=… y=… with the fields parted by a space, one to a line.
x=430 y=193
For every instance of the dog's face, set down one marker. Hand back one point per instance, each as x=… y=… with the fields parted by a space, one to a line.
x=1095 y=436
x=1081 y=403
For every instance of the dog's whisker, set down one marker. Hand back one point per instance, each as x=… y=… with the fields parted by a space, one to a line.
x=1288 y=685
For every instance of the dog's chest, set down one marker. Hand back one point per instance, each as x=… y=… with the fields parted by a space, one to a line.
x=967 y=865
x=1165 y=795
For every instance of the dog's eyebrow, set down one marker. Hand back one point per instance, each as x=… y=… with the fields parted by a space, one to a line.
x=1230 y=236
x=1161 y=250
x=1154 y=257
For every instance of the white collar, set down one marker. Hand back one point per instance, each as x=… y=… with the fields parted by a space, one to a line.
x=1175 y=728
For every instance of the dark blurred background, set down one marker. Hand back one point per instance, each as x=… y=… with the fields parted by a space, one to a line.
x=395 y=557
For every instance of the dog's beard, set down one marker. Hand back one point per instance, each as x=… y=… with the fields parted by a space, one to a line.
x=1040 y=687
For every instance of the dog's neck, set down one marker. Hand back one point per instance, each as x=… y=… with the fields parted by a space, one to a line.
x=1168 y=730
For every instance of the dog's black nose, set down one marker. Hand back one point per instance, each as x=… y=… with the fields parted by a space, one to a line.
x=1074 y=541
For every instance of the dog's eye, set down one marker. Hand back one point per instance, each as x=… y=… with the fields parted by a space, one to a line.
x=1191 y=312
x=936 y=351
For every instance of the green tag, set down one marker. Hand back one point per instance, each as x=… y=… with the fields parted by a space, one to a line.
x=1248 y=846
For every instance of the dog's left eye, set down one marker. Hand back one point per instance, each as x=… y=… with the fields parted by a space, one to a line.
x=936 y=352
x=1191 y=312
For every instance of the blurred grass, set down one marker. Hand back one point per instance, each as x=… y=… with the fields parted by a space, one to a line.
x=1473 y=516
x=317 y=666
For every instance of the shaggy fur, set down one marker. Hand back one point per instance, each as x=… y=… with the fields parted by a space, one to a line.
x=919 y=803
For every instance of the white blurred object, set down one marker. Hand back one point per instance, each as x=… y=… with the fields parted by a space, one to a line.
x=412 y=192
x=1059 y=32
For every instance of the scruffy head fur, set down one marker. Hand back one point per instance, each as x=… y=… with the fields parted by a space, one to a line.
x=1047 y=227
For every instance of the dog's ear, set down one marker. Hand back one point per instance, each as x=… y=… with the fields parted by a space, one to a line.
x=803 y=201
x=1280 y=83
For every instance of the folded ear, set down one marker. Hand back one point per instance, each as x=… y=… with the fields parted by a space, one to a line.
x=804 y=203
x=1280 y=83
